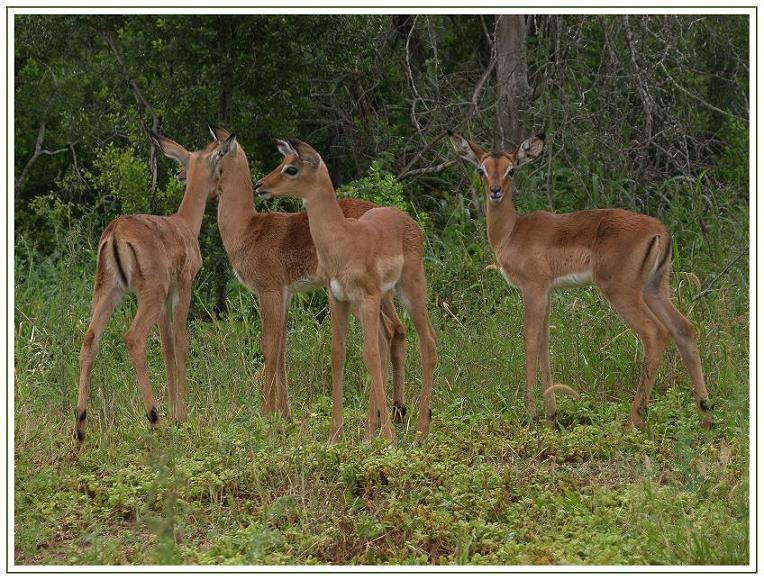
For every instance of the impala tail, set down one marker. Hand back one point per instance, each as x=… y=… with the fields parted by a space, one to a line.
x=560 y=388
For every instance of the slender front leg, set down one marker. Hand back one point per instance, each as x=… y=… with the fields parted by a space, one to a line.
x=282 y=391
x=271 y=307
x=550 y=403
x=339 y=313
x=534 y=301
x=379 y=418
x=180 y=322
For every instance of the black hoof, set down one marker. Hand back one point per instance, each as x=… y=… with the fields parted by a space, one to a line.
x=152 y=416
x=399 y=412
x=79 y=435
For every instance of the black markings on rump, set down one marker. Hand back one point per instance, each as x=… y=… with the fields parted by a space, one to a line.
x=135 y=257
x=118 y=262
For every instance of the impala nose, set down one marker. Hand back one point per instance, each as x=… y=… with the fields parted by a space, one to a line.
x=261 y=193
x=495 y=189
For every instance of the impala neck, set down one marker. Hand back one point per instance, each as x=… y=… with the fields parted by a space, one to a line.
x=191 y=209
x=236 y=207
x=325 y=216
x=500 y=221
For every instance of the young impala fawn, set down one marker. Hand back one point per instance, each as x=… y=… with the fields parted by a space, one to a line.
x=157 y=257
x=625 y=254
x=360 y=260
x=273 y=256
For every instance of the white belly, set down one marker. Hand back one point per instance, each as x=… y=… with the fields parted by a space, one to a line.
x=306 y=284
x=572 y=280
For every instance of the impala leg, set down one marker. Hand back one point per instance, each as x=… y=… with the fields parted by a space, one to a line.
x=147 y=315
x=550 y=403
x=271 y=307
x=658 y=298
x=413 y=291
x=379 y=418
x=282 y=392
x=339 y=313
x=167 y=339
x=385 y=334
x=180 y=323
x=535 y=306
x=628 y=301
x=104 y=303
x=397 y=357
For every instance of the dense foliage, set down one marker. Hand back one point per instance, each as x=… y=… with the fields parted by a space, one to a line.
x=642 y=112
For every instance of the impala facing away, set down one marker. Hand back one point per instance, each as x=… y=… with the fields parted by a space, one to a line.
x=157 y=257
x=625 y=254
x=360 y=260
x=273 y=256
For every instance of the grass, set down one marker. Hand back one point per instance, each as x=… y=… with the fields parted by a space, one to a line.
x=488 y=486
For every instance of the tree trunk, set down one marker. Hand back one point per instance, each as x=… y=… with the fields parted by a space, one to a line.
x=512 y=90
x=226 y=31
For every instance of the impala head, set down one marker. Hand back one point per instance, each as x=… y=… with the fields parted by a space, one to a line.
x=497 y=168
x=202 y=169
x=298 y=175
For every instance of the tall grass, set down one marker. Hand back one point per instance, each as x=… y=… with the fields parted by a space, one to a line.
x=488 y=486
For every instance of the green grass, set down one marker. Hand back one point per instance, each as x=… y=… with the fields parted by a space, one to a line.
x=487 y=487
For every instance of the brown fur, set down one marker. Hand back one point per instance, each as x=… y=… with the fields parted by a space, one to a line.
x=360 y=260
x=158 y=258
x=625 y=254
x=274 y=256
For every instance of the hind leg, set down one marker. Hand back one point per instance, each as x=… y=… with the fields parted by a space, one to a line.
x=627 y=299
x=167 y=339
x=149 y=309
x=658 y=298
x=397 y=357
x=104 y=303
x=413 y=292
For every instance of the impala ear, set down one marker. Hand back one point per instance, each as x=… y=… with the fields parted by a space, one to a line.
x=229 y=146
x=466 y=149
x=305 y=152
x=218 y=133
x=171 y=148
x=530 y=149
x=285 y=148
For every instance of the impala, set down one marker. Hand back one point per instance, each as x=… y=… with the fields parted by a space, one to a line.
x=626 y=255
x=360 y=260
x=274 y=256
x=157 y=257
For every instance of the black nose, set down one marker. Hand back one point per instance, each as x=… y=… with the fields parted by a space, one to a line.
x=495 y=188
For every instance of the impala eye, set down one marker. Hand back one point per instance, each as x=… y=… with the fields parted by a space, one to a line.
x=511 y=171
x=481 y=172
x=289 y=170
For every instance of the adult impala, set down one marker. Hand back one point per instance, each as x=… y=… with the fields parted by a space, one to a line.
x=274 y=256
x=158 y=258
x=359 y=260
x=625 y=254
